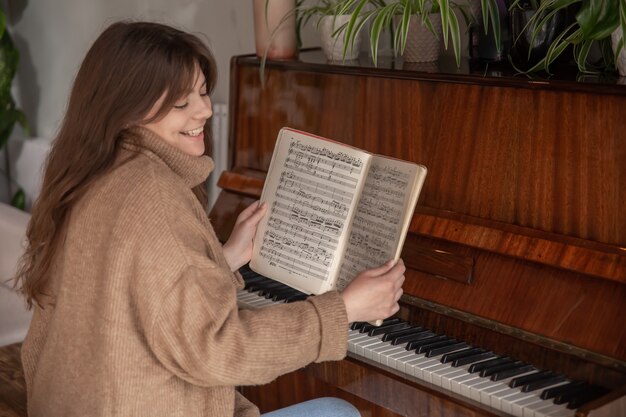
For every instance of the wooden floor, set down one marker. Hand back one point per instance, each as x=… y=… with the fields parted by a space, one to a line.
x=12 y=384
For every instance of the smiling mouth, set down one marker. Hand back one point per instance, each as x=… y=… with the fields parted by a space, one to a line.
x=194 y=132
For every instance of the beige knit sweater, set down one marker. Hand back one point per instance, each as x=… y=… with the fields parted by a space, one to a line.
x=145 y=319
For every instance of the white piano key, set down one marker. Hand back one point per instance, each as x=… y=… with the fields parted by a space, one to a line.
x=477 y=390
x=370 y=352
x=526 y=408
x=487 y=393
x=507 y=403
x=411 y=366
x=403 y=355
x=566 y=412
x=547 y=409
x=445 y=379
x=430 y=372
x=423 y=366
x=456 y=383
x=361 y=345
x=385 y=355
x=467 y=385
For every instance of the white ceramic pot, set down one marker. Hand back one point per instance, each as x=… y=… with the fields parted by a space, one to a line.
x=275 y=36
x=621 y=58
x=333 y=47
x=421 y=44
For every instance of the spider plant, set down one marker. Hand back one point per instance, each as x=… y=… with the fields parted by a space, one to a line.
x=382 y=17
x=595 y=21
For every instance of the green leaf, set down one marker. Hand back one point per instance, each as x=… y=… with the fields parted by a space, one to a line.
x=19 y=200
x=445 y=20
x=3 y=23
x=597 y=18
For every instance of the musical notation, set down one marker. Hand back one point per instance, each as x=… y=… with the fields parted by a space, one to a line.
x=377 y=225
x=314 y=192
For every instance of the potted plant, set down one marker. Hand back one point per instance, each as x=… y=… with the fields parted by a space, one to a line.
x=399 y=16
x=594 y=23
x=331 y=18
x=9 y=113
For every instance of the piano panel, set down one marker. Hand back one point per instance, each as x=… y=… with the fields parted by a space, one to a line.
x=485 y=158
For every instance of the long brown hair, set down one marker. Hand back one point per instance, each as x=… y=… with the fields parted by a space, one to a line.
x=128 y=68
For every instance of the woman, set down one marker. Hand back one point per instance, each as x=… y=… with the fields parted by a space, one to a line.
x=134 y=297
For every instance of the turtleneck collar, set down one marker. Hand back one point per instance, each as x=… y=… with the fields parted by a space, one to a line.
x=192 y=169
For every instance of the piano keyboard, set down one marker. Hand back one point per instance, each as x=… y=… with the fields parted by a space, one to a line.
x=499 y=382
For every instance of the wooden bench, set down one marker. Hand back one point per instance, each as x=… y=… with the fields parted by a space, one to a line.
x=12 y=383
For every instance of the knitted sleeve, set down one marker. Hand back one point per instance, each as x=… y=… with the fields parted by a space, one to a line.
x=202 y=337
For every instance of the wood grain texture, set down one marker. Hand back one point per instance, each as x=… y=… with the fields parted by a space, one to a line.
x=525 y=184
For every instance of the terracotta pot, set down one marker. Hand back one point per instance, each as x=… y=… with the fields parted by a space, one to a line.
x=275 y=34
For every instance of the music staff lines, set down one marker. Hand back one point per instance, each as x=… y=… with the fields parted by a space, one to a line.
x=310 y=220
x=293 y=265
x=301 y=249
x=329 y=156
x=328 y=174
x=319 y=239
x=290 y=180
x=336 y=209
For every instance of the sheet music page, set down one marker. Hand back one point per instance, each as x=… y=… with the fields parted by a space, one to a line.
x=382 y=216
x=311 y=190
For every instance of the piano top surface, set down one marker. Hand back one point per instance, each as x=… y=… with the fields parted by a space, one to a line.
x=564 y=78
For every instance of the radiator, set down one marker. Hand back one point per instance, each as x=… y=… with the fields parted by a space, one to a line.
x=220 y=148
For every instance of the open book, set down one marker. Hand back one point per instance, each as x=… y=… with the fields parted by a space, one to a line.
x=334 y=211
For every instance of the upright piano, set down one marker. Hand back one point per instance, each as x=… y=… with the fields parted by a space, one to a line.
x=516 y=253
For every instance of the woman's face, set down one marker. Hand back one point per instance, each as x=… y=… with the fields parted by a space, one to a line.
x=183 y=126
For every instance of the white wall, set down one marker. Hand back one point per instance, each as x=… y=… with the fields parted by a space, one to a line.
x=53 y=37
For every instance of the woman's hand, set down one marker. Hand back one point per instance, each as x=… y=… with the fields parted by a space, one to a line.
x=374 y=293
x=238 y=248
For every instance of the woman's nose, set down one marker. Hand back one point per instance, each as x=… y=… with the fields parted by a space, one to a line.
x=205 y=109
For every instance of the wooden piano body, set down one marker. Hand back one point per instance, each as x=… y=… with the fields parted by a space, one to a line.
x=518 y=242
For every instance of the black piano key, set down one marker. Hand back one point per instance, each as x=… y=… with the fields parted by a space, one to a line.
x=499 y=368
x=254 y=280
x=446 y=349
x=259 y=286
x=356 y=325
x=434 y=344
x=593 y=393
x=246 y=272
x=412 y=337
x=415 y=344
x=512 y=371
x=403 y=332
x=526 y=379
x=368 y=326
x=474 y=358
x=553 y=392
x=567 y=396
x=532 y=386
x=267 y=289
x=462 y=353
x=477 y=367
x=469 y=351
x=382 y=329
x=298 y=297
x=284 y=294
